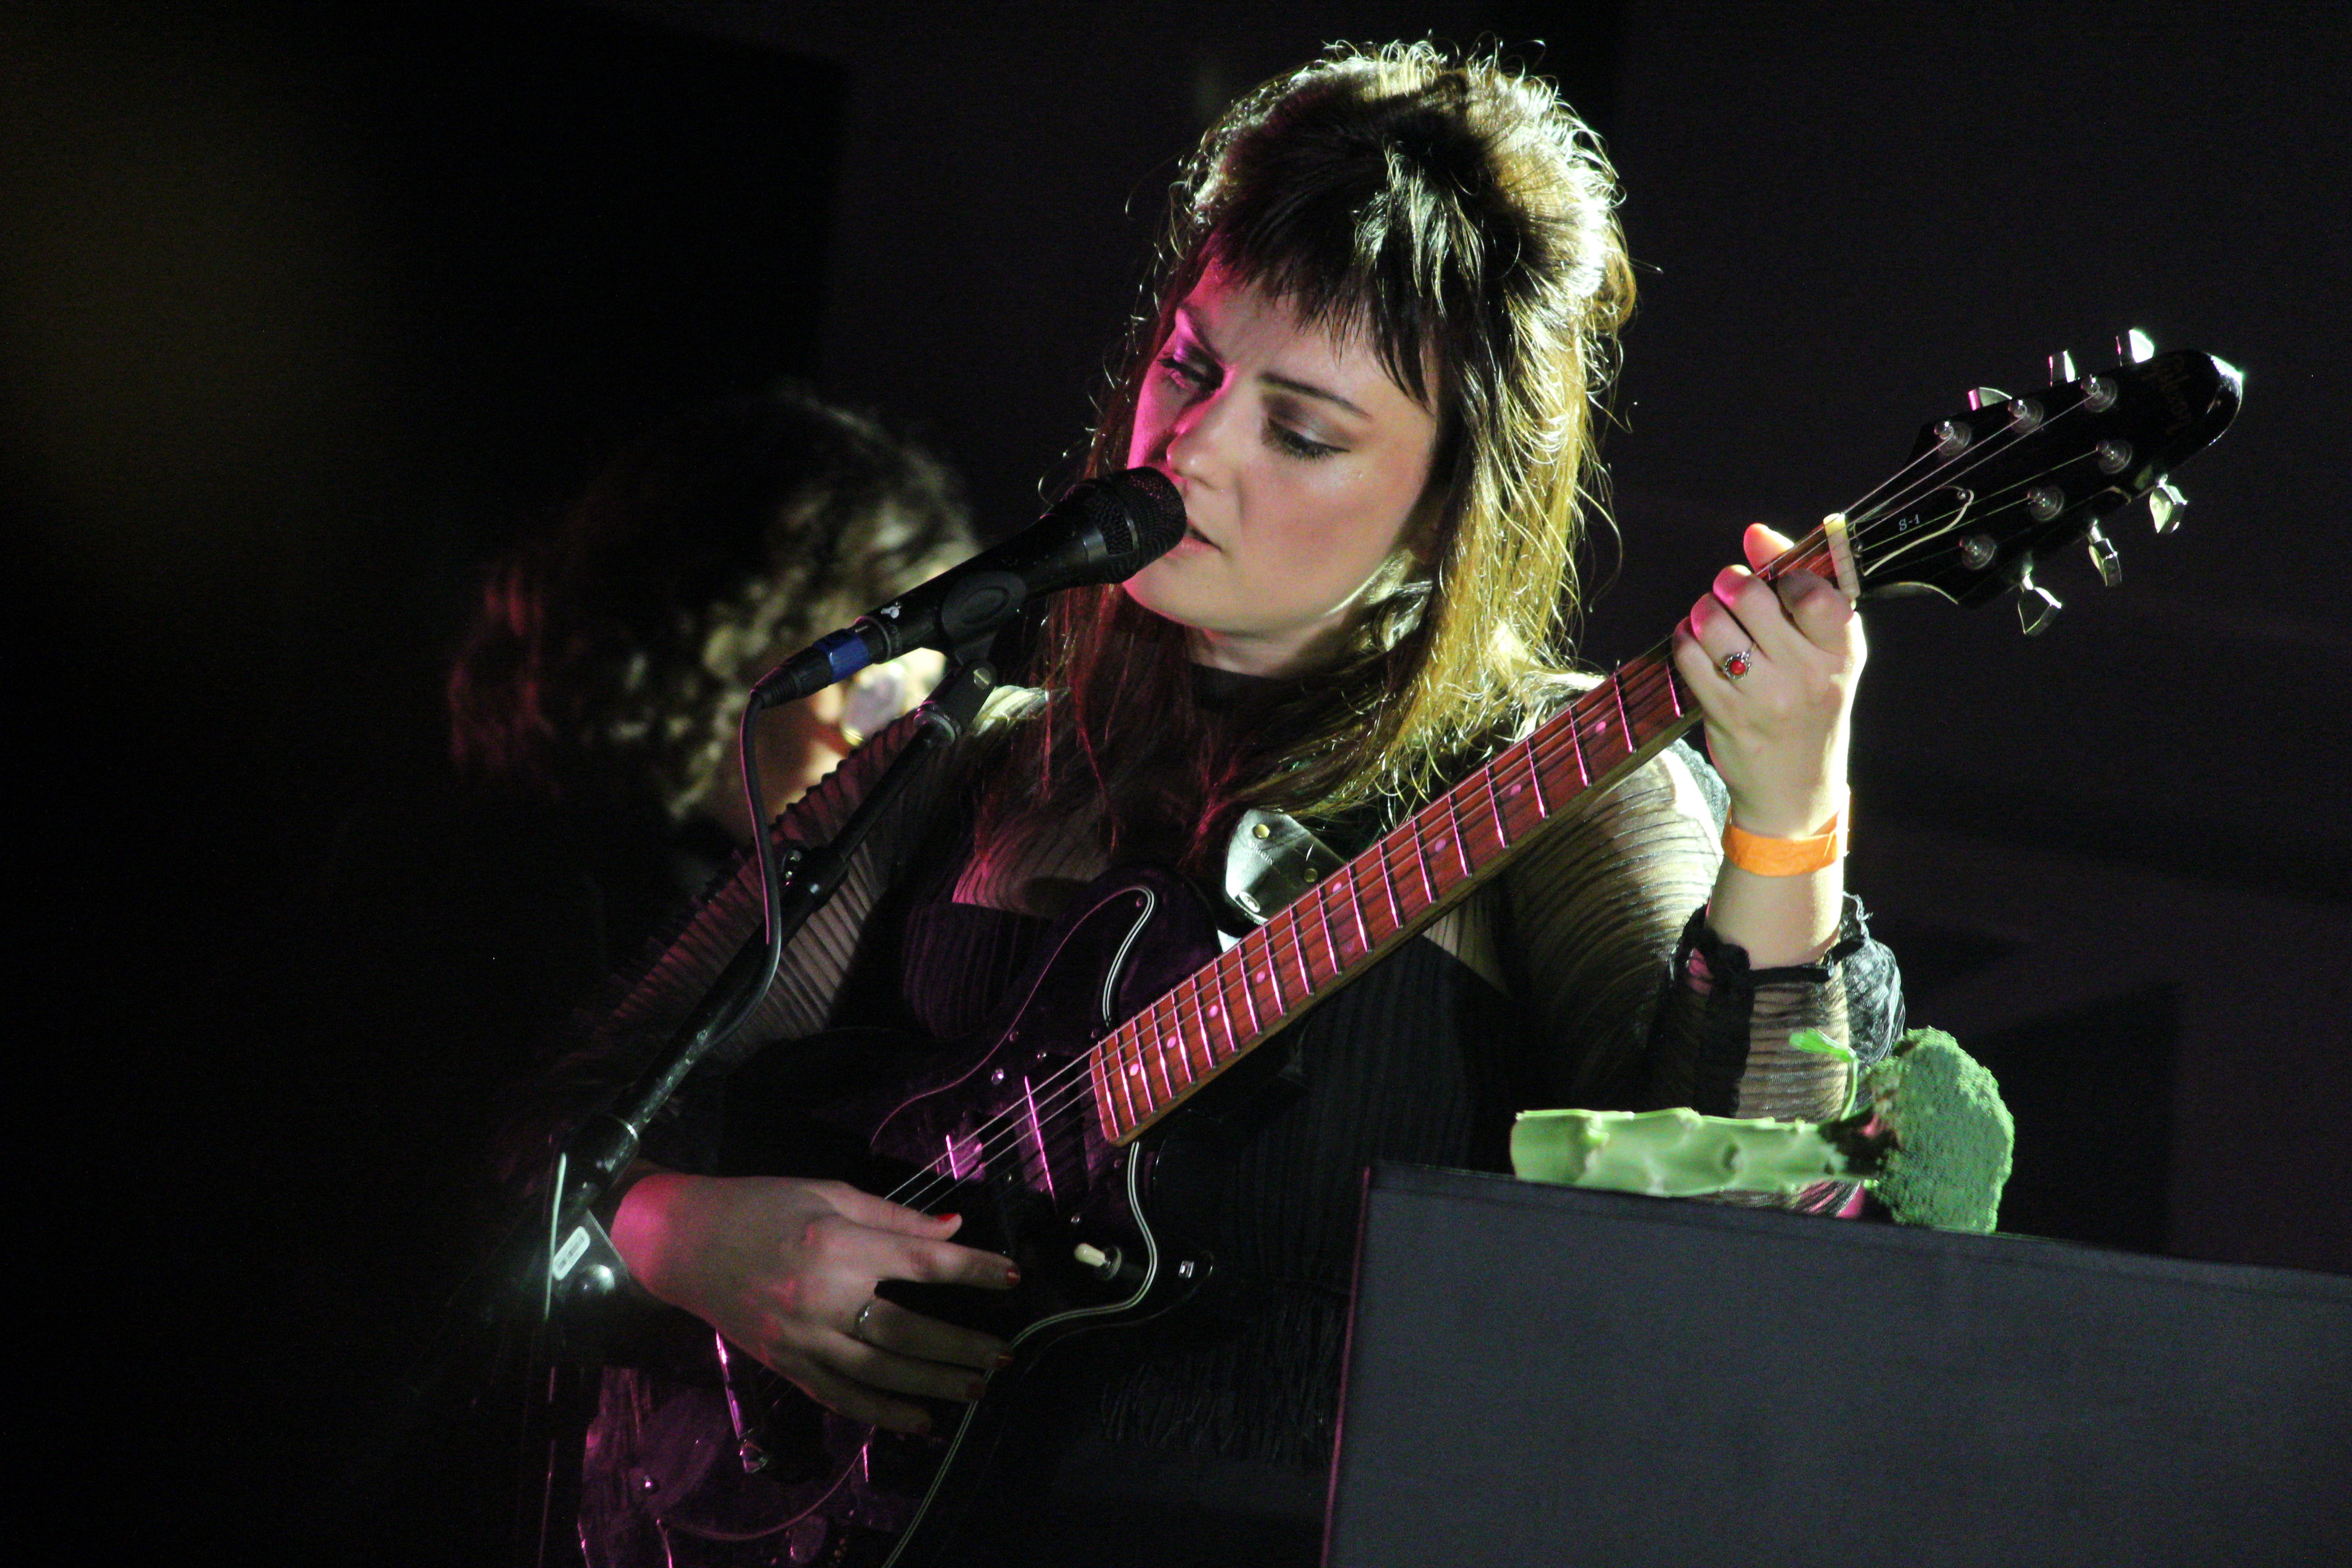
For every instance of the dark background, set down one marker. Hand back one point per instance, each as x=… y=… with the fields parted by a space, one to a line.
x=301 y=316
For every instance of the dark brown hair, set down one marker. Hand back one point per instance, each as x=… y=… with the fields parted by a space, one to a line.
x=1459 y=216
x=611 y=655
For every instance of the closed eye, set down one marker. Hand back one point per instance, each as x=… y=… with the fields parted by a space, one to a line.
x=1197 y=374
x=1286 y=439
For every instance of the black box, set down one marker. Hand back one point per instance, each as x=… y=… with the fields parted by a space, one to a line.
x=1542 y=1376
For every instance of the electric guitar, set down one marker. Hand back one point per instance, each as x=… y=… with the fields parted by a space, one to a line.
x=1041 y=1128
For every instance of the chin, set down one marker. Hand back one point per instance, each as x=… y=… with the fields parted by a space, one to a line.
x=1151 y=589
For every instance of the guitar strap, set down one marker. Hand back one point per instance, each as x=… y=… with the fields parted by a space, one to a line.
x=1271 y=859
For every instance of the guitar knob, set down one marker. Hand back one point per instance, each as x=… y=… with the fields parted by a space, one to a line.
x=2165 y=505
x=1110 y=1267
x=2103 y=556
x=1982 y=397
x=2135 y=347
x=2062 y=367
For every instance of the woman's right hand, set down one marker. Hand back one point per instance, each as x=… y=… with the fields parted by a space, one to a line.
x=784 y=1268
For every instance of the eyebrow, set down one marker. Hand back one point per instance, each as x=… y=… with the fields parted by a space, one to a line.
x=1288 y=384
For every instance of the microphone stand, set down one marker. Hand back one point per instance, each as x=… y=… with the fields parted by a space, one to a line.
x=571 y=1266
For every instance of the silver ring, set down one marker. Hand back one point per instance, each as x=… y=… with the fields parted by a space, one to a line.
x=1732 y=666
x=857 y=1324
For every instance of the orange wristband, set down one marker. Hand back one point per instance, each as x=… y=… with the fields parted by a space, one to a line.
x=1786 y=857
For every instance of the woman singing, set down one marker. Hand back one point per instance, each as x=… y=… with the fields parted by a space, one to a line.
x=1386 y=308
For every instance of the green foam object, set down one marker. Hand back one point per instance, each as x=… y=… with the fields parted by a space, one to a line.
x=1931 y=1136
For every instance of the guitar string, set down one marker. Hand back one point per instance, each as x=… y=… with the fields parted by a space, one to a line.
x=1287 y=941
x=1052 y=1097
x=1969 y=459
x=1979 y=449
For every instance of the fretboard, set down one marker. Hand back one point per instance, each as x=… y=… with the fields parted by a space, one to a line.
x=1340 y=927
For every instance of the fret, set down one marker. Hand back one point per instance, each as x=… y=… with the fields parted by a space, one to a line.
x=1535 y=778
x=1037 y=1138
x=1673 y=693
x=1221 y=1010
x=1155 y=1054
x=1119 y=1077
x=1105 y=1112
x=1617 y=688
x=1387 y=886
x=1601 y=732
x=1298 y=947
x=1193 y=1059
x=1461 y=844
x=1495 y=802
x=1420 y=852
x=1323 y=918
x=1356 y=908
x=1177 y=1043
x=1183 y=1039
x=1576 y=745
x=1273 y=970
x=1247 y=1000
x=1647 y=709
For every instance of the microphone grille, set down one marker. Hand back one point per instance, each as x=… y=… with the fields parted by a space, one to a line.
x=1140 y=514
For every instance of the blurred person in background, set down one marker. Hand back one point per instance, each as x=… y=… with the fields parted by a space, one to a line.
x=602 y=681
x=595 y=705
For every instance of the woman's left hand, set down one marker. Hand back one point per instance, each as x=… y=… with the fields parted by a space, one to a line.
x=1777 y=732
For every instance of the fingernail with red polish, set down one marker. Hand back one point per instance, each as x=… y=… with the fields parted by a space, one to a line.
x=1011 y=1274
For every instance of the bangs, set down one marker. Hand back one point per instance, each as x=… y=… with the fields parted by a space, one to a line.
x=1369 y=210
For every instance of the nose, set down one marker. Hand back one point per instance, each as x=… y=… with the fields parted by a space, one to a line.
x=1196 y=439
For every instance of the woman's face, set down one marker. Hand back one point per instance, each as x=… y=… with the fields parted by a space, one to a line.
x=1303 y=469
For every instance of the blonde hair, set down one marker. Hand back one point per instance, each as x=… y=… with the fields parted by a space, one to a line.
x=1458 y=214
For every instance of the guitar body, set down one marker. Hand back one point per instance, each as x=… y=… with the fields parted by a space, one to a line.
x=1002 y=1129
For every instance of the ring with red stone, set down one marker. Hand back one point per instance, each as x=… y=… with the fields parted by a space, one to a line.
x=1732 y=666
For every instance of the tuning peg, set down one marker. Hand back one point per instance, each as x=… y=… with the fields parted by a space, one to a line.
x=2036 y=607
x=1985 y=398
x=2062 y=367
x=2165 y=505
x=2135 y=347
x=2104 y=556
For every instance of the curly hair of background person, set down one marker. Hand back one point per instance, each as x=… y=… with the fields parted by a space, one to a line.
x=608 y=663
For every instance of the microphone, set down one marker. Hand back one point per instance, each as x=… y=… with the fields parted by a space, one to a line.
x=1105 y=530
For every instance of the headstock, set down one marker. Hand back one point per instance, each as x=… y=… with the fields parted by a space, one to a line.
x=1991 y=491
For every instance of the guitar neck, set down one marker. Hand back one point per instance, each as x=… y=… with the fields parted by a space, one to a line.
x=1172 y=1050
x=1982 y=493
